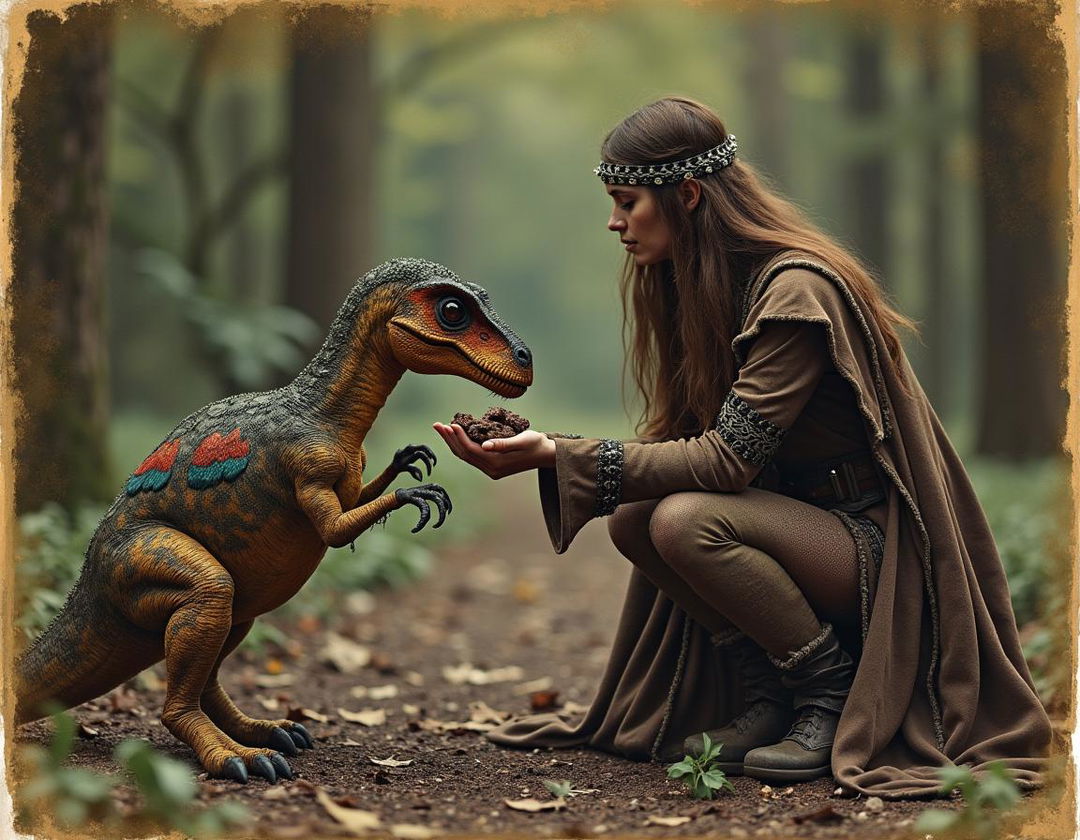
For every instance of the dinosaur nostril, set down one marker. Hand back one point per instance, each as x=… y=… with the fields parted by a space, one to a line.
x=523 y=357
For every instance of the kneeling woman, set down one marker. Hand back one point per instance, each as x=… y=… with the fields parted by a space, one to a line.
x=814 y=574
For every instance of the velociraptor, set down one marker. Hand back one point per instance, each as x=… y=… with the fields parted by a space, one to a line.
x=232 y=513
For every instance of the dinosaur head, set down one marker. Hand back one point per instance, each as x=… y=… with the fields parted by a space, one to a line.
x=442 y=324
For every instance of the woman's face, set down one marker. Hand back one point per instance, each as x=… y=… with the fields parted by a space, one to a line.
x=636 y=219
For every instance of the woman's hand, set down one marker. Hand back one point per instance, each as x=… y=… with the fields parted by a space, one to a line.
x=500 y=457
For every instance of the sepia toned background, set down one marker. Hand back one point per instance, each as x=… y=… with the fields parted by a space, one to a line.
x=195 y=202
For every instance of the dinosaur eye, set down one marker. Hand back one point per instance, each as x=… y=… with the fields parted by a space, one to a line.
x=452 y=314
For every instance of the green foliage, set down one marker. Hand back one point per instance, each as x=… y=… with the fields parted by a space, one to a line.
x=254 y=341
x=168 y=791
x=75 y=796
x=49 y=553
x=986 y=799
x=1023 y=505
x=560 y=790
x=699 y=774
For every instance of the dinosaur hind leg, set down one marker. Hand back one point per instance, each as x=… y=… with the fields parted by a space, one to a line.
x=186 y=594
x=284 y=735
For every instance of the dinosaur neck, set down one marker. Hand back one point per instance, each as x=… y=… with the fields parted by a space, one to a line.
x=348 y=381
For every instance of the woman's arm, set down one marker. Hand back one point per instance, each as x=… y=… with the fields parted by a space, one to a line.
x=591 y=478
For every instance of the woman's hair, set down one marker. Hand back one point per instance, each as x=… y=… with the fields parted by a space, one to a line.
x=681 y=316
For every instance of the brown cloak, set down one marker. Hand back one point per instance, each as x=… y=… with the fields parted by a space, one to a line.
x=941 y=678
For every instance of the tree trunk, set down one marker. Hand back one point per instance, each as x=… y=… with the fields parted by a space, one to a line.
x=333 y=127
x=60 y=234
x=1022 y=127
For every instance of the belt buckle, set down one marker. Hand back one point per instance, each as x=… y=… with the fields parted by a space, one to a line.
x=848 y=489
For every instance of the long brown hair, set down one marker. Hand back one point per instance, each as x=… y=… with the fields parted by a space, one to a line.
x=680 y=316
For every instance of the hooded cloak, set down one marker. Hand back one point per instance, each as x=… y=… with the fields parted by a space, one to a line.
x=941 y=678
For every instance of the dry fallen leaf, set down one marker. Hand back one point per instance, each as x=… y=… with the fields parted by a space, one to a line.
x=383 y=692
x=481 y=712
x=542 y=701
x=391 y=762
x=466 y=674
x=526 y=591
x=669 y=822
x=410 y=709
x=411 y=832
x=299 y=714
x=540 y=684
x=275 y=792
x=572 y=708
x=344 y=654
x=414 y=678
x=367 y=717
x=349 y=742
x=274 y=680
x=353 y=819
x=274 y=666
x=534 y=805
x=271 y=704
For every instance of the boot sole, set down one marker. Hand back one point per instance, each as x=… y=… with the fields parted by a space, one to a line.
x=772 y=774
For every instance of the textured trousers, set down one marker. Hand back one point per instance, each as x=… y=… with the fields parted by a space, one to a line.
x=755 y=562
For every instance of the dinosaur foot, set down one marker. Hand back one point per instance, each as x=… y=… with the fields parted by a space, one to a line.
x=300 y=736
x=270 y=766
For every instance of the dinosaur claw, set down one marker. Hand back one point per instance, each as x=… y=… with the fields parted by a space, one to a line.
x=298 y=740
x=298 y=729
x=281 y=740
x=234 y=769
x=261 y=766
x=281 y=766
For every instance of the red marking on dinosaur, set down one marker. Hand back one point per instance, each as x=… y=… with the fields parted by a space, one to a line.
x=217 y=448
x=161 y=458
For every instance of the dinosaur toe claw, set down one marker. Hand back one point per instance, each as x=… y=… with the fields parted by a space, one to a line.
x=281 y=740
x=234 y=769
x=298 y=740
x=261 y=766
x=281 y=766
x=306 y=741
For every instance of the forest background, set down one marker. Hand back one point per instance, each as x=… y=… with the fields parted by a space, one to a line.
x=195 y=201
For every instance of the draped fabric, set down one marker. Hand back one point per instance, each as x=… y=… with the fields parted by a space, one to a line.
x=941 y=677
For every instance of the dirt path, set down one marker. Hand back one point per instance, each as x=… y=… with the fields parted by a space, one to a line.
x=523 y=620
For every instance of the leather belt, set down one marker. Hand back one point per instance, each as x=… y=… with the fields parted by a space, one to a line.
x=850 y=483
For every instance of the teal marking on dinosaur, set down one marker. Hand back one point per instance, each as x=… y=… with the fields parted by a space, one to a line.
x=199 y=478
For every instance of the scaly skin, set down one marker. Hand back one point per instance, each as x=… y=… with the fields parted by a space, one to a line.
x=186 y=558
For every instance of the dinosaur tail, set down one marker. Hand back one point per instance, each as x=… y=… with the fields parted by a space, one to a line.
x=78 y=656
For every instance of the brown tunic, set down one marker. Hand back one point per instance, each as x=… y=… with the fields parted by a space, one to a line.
x=941 y=677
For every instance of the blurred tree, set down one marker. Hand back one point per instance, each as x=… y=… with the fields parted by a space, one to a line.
x=60 y=234
x=1022 y=128
x=332 y=162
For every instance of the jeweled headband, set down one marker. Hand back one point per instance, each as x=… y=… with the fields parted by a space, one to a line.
x=669 y=173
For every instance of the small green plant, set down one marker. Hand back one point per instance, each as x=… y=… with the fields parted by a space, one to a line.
x=560 y=790
x=699 y=774
x=986 y=799
x=75 y=796
x=168 y=791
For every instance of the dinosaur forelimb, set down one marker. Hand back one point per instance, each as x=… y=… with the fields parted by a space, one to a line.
x=338 y=528
x=403 y=461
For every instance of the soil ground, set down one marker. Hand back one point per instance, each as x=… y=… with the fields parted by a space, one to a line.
x=525 y=620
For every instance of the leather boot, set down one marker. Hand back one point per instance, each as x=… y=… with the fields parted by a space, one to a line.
x=767 y=715
x=819 y=675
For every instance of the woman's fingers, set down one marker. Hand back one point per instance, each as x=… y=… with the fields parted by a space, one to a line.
x=522 y=440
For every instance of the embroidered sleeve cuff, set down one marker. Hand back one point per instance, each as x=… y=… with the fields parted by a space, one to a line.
x=749 y=435
x=609 y=473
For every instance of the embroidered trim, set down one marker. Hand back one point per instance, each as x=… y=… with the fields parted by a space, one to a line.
x=749 y=434
x=609 y=469
x=676 y=681
x=803 y=652
x=869 y=548
x=727 y=637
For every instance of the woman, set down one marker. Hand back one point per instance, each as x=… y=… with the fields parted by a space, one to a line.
x=813 y=574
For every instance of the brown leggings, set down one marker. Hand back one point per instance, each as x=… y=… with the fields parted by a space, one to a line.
x=765 y=564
